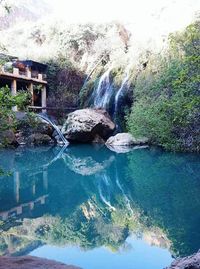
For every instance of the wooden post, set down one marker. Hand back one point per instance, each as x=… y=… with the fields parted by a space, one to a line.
x=28 y=72
x=14 y=91
x=33 y=190
x=16 y=71
x=16 y=186
x=44 y=98
x=30 y=88
x=45 y=179
x=40 y=77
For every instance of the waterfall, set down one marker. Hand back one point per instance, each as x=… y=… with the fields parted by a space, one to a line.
x=103 y=92
x=107 y=97
x=121 y=89
x=91 y=71
x=60 y=134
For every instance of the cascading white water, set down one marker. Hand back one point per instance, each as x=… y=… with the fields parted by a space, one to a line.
x=60 y=134
x=93 y=67
x=128 y=204
x=58 y=156
x=121 y=89
x=103 y=92
x=104 y=181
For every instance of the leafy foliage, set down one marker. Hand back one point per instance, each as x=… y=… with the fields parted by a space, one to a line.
x=64 y=83
x=167 y=101
x=7 y=116
x=7 y=100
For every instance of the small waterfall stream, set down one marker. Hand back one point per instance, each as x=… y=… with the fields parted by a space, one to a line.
x=103 y=92
x=119 y=93
x=60 y=134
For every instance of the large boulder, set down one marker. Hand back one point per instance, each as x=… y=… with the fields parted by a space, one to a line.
x=125 y=139
x=85 y=125
x=191 y=262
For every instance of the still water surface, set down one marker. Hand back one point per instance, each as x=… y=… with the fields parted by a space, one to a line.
x=94 y=208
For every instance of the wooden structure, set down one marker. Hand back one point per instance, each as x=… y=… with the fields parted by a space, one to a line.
x=18 y=206
x=27 y=75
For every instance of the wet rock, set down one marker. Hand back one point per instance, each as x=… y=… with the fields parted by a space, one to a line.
x=125 y=139
x=28 y=128
x=191 y=262
x=44 y=128
x=125 y=149
x=29 y=262
x=7 y=138
x=84 y=125
x=29 y=124
x=39 y=139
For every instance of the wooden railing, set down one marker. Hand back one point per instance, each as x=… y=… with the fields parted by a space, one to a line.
x=22 y=74
x=40 y=108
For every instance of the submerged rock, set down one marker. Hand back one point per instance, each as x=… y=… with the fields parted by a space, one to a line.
x=190 y=262
x=125 y=140
x=85 y=125
x=29 y=262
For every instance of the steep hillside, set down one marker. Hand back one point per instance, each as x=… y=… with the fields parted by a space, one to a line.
x=22 y=12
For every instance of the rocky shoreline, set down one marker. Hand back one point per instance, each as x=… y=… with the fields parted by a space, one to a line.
x=29 y=262
x=190 y=262
x=81 y=126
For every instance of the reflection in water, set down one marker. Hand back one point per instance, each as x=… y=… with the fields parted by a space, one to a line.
x=104 y=189
x=92 y=197
x=126 y=199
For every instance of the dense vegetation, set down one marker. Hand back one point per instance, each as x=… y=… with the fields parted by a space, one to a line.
x=8 y=123
x=167 y=97
x=7 y=101
x=64 y=83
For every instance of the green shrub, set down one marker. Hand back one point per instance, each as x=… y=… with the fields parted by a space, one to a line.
x=167 y=102
x=7 y=101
